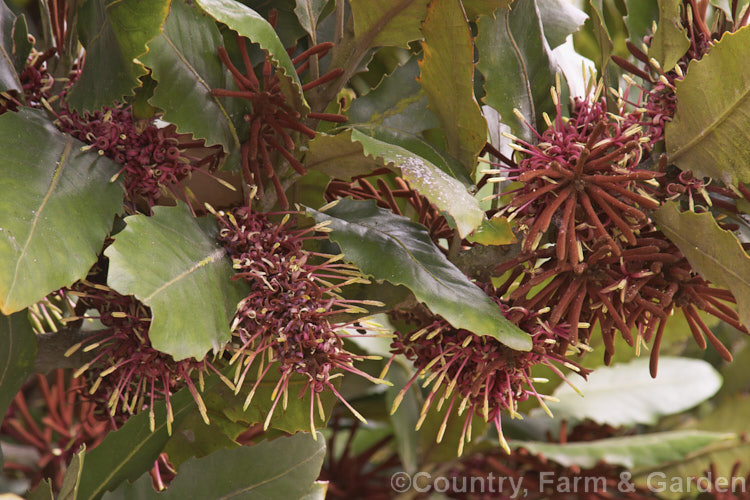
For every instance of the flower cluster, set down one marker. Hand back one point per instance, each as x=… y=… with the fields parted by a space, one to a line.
x=126 y=374
x=288 y=319
x=479 y=373
x=154 y=159
x=272 y=121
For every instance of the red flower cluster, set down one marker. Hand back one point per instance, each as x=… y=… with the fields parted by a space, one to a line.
x=154 y=160
x=479 y=372
x=287 y=319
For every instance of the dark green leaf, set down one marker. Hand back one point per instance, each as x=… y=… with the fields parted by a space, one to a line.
x=282 y=469
x=709 y=133
x=641 y=15
x=308 y=12
x=716 y=254
x=17 y=354
x=250 y=24
x=193 y=438
x=115 y=34
x=184 y=61
x=603 y=39
x=405 y=418
x=56 y=208
x=21 y=43
x=72 y=479
x=398 y=102
x=448 y=194
x=42 y=492
x=8 y=76
x=131 y=450
x=559 y=19
x=173 y=263
x=388 y=22
x=625 y=394
x=647 y=450
x=392 y=248
x=447 y=77
x=514 y=59
x=670 y=41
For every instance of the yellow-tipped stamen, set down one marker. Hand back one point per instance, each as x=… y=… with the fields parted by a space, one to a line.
x=72 y=349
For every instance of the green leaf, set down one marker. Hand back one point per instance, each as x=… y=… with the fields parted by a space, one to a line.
x=514 y=59
x=670 y=41
x=641 y=15
x=193 y=438
x=404 y=420
x=42 y=492
x=318 y=491
x=388 y=22
x=56 y=207
x=21 y=44
x=716 y=254
x=398 y=102
x=646 y=450
x=8 y=76
x=17 y=355
x=559 y=19
x=280 y=469
x=709 y=133
x=72 y=479
x=131 y=450
x=295 y=417
x=250 y=24
x=447 y=77
x=625 y=394
x=496 y=231
x=115 y=34
x=392 y=248
x=308 y=12
x=173 y=264
x=448 y=194
x=476 y=8
x=603 y=39
x=184 y=61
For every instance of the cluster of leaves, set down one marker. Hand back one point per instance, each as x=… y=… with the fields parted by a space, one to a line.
x=213 y=213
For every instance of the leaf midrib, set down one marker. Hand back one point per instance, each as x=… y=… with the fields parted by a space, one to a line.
x=53 y=184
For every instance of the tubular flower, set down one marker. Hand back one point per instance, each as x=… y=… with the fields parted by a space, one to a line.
x=287 y=320
x=127 y=375
x=360 y=188
x=154 y=160
x=479 y=373
x=581 y=178
x=68 y=422
x=272 y=122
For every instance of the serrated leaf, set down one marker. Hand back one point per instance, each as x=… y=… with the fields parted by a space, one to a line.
x=56 y=207
x=514 y=59
x=716 y=254
x=625 y=394
x=709 y=133
x=645 y=450
x=172 y=262
x=17 y=355
x=670 y=42
x=72 y=478
x=447 y=77
x=496 y=231
x=445 y=192
x=131 y=450
x=8 y=76
x=308 y=12
x=392 y=248
x=184 y=61
x=115 y=34
x=476 y=8
x=280 y=469
x=559 y=19
x=398 y=102
x=250 y=24
x=388 y=22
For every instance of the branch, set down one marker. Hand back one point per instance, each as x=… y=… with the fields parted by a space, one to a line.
x=51 y=348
